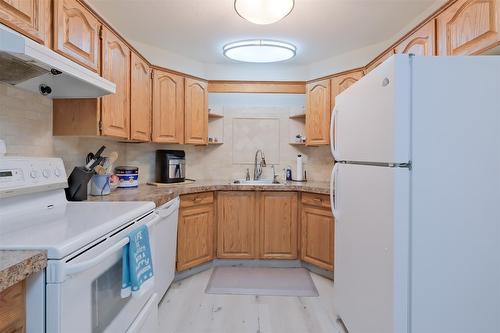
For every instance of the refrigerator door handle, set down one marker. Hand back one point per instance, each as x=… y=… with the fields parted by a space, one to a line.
x=333 y=190
x=332 y=133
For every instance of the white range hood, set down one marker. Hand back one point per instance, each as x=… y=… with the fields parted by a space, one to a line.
x=31 y=66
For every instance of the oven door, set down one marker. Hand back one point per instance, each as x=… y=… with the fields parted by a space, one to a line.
x=86 y=296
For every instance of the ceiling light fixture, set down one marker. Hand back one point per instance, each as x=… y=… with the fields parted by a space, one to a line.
x=263 y=11
x=259 y=50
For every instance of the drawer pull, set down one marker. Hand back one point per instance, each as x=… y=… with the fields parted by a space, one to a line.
x=197 y=199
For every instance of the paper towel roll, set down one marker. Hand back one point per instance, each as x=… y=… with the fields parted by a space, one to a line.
x=300 y=168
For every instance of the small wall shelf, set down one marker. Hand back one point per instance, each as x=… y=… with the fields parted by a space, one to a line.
x=215 y=143
x=298 y=116
x=297 y=143
x=212 y=115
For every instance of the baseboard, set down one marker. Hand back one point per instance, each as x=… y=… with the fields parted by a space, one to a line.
x=253 y=263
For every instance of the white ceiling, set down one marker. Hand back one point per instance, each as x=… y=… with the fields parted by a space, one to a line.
x=197 y=29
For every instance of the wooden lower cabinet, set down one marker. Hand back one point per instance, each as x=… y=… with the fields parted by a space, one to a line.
x=236 y=225
x=317 y=230
x=255 y=225
x=278 y=225
x=12 y=309
x=195 y=242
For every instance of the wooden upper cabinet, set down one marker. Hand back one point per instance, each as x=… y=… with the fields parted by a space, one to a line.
x=380 y=59
x=29 y=17
x=76 y=33
x=115 y=112
x=168 y=107
x=318 y=113
x=278 y=225
x=342 y=82
x=317 y=229
x=196 y=118
x=236 y=225
x=421 y=42
x=468 y=27
x=140 y=99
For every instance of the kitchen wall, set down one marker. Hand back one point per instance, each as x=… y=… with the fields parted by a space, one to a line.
x=26 y=127
x=219 y=161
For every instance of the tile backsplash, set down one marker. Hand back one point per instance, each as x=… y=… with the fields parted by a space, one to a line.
x=26 y=127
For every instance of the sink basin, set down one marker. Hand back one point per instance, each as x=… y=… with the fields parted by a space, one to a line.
x=254 y=182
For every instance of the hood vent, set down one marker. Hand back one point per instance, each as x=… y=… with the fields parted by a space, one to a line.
x=14 y=70
x=31 y=66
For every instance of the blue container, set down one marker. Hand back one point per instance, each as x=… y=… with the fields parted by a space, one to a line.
x=128 y=176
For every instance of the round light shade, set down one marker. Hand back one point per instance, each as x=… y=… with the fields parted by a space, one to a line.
x=259 y=50
x=263 y=11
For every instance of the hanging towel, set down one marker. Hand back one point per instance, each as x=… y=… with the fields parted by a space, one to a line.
x=137 y=263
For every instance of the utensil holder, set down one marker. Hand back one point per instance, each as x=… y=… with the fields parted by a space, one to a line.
x=77 y=184
x=99 y=185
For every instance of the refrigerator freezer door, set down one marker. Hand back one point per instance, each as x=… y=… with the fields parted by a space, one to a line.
x=371 y=248
x=371 y=121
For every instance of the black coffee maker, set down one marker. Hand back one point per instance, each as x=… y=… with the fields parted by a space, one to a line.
x=170 y=166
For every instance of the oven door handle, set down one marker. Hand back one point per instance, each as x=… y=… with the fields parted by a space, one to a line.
x=72 y=269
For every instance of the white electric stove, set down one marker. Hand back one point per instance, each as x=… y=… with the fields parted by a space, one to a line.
x=80 y=289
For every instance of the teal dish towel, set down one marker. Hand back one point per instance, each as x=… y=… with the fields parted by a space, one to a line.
x=137 y=263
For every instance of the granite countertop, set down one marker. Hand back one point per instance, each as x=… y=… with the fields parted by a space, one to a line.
x=16 y=265
x=162 y=194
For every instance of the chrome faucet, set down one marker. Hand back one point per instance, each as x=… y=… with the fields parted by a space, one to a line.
x=257 y=167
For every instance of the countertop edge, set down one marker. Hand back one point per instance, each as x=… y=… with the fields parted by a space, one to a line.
x=30 y=262
x=162 y=194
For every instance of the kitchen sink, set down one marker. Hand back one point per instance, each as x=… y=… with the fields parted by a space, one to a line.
x=255 y=182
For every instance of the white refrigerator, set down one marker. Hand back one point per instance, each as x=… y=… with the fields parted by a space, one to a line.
x=416 y=197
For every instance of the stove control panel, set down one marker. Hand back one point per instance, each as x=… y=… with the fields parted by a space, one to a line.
x=21 y=175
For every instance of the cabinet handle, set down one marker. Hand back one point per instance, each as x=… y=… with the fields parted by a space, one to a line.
x=197 y=199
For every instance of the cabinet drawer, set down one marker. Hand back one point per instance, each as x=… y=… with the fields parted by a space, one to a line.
x=12 y=305
x=318 y=200
x=189 y=200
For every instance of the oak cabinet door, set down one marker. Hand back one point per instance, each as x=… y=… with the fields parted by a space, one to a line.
x=115 y=113
x=468 y=27
x=317 y=228
x=278 y=225
x=168 y=107
x=13 y=308
x=236 y=225
x=342 y=82
x=196 y=123
x=421 y=42
x=29 y=17
x=76 y=33
x=140 y=99
x=318 y=113
x=371 y=66
x=195 y=236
